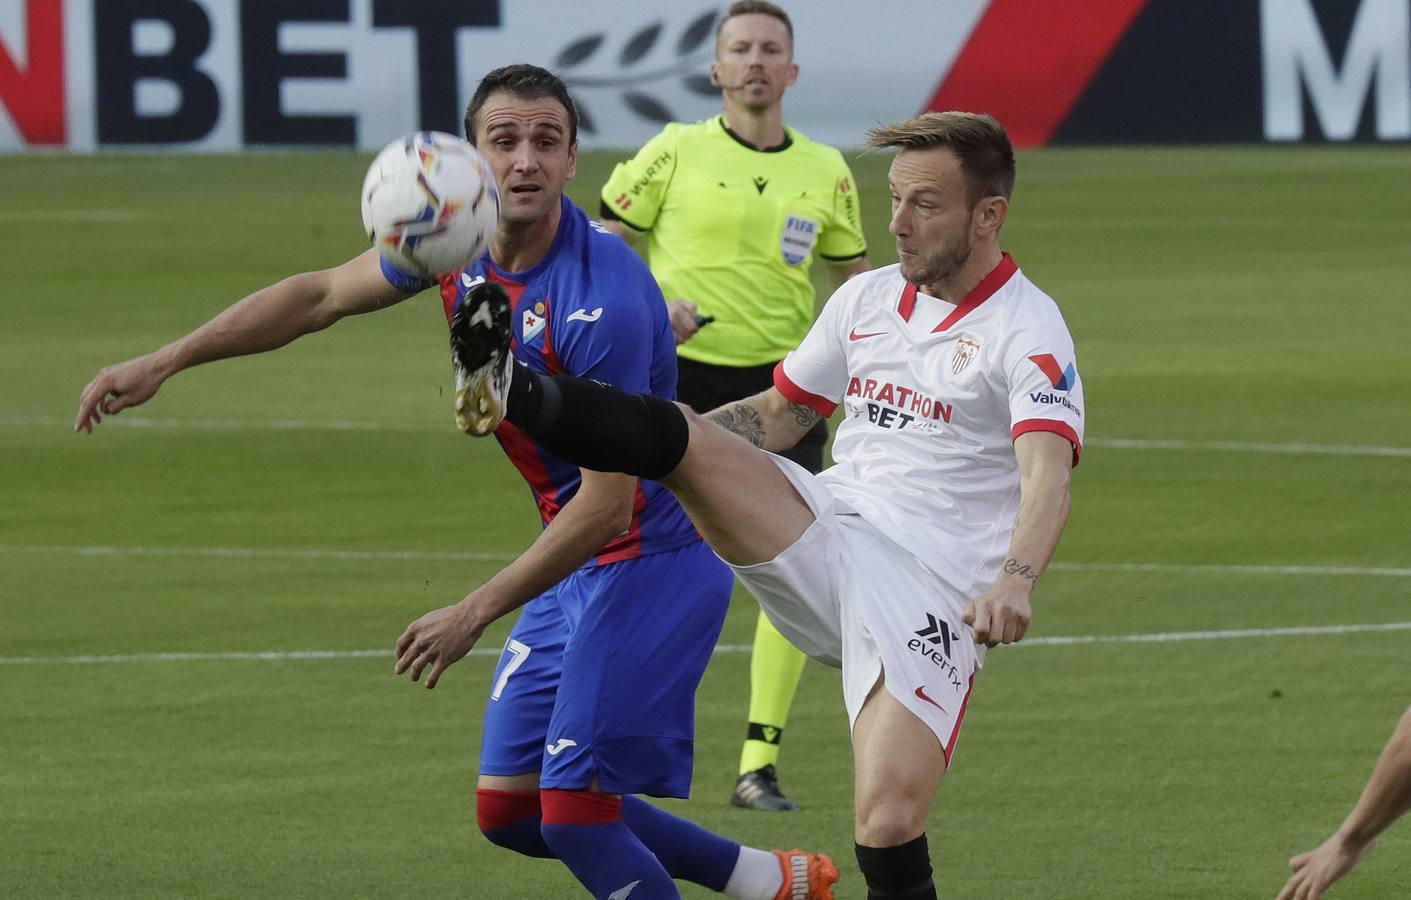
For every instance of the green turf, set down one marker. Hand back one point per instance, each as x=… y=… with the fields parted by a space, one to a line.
x=1247 y=295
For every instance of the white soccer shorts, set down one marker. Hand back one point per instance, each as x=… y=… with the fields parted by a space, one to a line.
x=849 y=596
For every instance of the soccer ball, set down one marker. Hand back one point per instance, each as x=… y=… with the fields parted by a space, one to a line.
x=430 y=203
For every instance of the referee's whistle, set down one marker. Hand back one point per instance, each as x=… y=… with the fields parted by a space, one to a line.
x=702 y=321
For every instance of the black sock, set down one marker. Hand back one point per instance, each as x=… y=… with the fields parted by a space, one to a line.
x=897 y=873
x=597 y=426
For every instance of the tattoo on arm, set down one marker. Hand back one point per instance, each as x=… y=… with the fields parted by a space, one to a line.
x=1013 y=566
x=806 y=416
x=742 y=419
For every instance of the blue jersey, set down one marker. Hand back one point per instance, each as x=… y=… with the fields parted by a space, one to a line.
x=589 y=308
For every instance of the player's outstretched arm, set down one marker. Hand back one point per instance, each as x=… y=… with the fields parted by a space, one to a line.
x=769 y=420
x=1001 y=615
x=1386 y=798
x=265 y=320
x=598 y=512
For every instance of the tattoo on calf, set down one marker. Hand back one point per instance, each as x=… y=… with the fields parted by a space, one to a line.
x=741 y=419
x=806 y=416
x=1013 y=566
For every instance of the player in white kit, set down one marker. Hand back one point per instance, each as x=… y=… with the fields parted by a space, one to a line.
x=963 y=417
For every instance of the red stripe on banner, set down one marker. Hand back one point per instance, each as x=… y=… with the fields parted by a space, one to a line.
x=1027 y=63
x=35 y=97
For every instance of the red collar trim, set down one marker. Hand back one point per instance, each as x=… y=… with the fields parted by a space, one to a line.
x=988 y=286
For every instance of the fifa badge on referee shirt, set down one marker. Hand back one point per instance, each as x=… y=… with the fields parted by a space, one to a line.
x=797 y=241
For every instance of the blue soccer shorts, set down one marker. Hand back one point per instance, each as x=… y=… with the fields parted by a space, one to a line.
x=599 y=675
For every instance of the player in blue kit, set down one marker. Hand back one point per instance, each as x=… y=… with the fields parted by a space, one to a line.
x=593 y=698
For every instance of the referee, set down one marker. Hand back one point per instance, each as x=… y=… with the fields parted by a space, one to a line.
x=735 y=210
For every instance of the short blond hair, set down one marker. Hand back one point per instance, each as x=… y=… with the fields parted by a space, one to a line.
x=986 y=155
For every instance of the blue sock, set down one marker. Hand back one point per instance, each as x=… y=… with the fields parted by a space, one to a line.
x=585 y=830
x=685 y=849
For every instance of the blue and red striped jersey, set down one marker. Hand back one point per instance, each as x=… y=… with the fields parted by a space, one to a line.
x=589 y=308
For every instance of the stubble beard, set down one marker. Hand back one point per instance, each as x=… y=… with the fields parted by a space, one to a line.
x=940 y=268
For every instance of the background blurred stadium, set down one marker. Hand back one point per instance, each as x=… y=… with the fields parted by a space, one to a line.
x=196 y=604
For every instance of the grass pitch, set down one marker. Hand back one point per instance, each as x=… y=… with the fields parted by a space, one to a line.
x=319 y=498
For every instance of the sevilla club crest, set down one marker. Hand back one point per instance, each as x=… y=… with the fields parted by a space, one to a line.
x=965 y=352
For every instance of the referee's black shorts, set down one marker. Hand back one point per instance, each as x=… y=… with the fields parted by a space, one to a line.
x=704 y=387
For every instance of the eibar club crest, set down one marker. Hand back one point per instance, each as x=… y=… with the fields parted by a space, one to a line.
x=965 y=352
x=534 y=322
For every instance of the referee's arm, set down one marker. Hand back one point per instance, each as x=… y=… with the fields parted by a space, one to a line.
x=845 y=269
x=611 y=221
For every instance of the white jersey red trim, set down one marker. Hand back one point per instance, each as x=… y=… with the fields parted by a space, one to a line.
x=935 y=395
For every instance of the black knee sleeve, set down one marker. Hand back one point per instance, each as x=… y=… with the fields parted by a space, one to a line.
x=597 y=426
x=897 y=873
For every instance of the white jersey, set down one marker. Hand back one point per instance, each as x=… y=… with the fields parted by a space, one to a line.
x=935 y=395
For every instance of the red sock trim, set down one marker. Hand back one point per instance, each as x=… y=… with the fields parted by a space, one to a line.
x=500 y=809
x=580 y=807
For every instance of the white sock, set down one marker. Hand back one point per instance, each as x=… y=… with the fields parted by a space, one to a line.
x=757 y=876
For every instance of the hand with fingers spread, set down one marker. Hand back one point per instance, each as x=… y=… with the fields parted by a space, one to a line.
x=115 y=388
x=1000 y=615
x=1315 y=870
x=438 y=639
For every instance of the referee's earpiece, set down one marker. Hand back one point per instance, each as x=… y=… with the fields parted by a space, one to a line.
x=714 y=78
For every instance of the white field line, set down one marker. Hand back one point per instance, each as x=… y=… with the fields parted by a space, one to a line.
x=258 y=656
x=368 y=425
x=1056 y=641
x=1244 y=447
x=1217 y=569
x=315 y=553
x=329 y=553
x=81 y=216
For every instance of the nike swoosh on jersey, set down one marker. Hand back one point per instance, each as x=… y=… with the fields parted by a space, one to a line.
x=580 y=315
x=560 y=745
x=854 y=336
x=921 y=692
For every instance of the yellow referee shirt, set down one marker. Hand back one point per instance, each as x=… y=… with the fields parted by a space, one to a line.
x=735 y=230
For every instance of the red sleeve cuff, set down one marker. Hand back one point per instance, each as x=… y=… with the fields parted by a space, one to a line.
x=795 y=394
x=1053 y=425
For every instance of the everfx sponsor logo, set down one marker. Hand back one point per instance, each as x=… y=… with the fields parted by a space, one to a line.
x=935 y=643
x=937 y=632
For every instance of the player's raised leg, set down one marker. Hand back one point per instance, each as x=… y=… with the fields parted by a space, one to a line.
x=743 y=505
